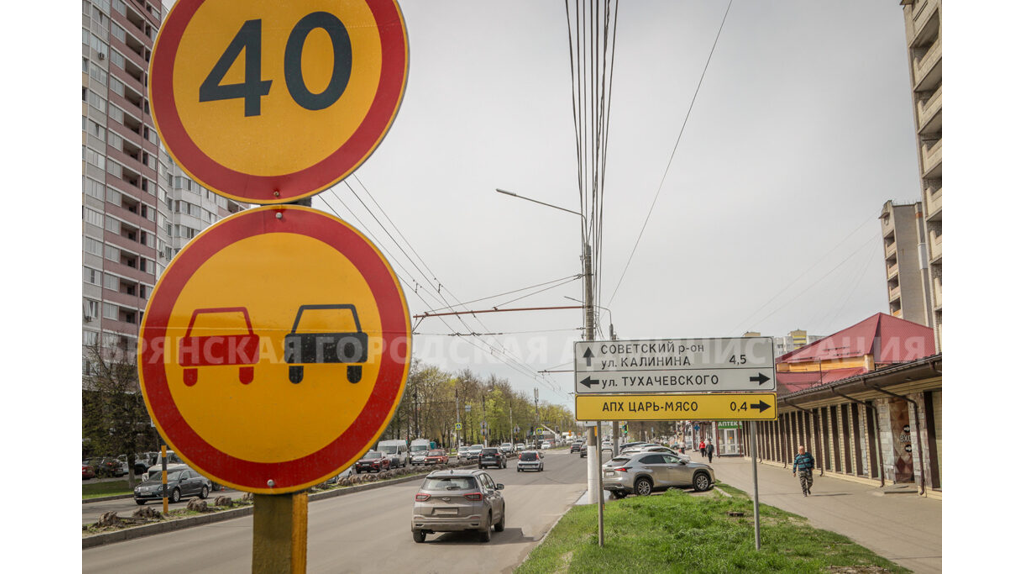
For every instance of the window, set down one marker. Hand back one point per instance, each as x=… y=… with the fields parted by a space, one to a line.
x=112 y=253
x=95 y=100
x=117 y=86
x=92 y=217
x=116 y=114
x=118 y=32
x=100 y=46
x=113 y=225
x=92 y=188
x=92 y=246
x=90 y=338
x=113 y=196
x=118 y=6
x=111 y=282
x=93 y=157
x=90 y=275
x=109 y=311
x=116 y=59
x=90 y=308
x=116 y=141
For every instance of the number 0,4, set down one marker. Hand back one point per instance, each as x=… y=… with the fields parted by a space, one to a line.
x=249 y=38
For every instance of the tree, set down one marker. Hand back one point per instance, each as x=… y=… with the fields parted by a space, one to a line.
x=114 y=416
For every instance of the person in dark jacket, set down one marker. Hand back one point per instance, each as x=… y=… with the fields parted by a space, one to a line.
x=711 y=450
x=804 y=464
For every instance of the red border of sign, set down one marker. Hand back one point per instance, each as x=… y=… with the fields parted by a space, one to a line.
x=296 y=185
x=371 y=421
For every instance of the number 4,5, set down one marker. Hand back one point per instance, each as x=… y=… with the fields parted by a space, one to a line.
x=253 y=87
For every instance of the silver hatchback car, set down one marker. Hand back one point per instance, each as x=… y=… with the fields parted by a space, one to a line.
x=645 y=472
x=458 y=500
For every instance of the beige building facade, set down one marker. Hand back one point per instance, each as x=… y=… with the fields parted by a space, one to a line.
x=906 y=262
x=923 y=20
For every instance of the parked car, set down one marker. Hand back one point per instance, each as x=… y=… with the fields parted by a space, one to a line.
x=492 y=457
x=529 y=460
x=373 y=461
x=453 y=501
x=107 y=466
x=157 y=468
x=418 y=450
x=463 y=453
x=646 y=472
x=87 y=470
x=437 y=456
x=397 y=451
x=182 y=482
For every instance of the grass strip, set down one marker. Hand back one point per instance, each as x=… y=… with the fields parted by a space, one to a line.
x=109 y=488
x=679 y=532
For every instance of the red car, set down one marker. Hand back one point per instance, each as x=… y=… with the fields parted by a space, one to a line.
x=87 y=472
x=373 y=461
x=230 y=349
x=436 y=457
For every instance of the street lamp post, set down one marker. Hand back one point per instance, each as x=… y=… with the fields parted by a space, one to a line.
x=595 y=493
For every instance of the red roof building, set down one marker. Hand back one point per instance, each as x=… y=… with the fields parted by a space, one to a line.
x=876 y=342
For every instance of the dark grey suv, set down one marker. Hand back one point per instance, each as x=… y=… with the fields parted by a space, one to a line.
x=458 y=500
x=646 y=472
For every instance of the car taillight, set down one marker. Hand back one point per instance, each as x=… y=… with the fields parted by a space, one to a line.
x=422 y=497
x=474 y=496
x=623 y=469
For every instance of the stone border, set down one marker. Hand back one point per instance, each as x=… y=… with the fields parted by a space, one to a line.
x=182 y=523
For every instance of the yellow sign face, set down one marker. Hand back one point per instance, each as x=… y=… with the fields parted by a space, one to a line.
x=665 y=407
x=275 y=349
x=268 y=101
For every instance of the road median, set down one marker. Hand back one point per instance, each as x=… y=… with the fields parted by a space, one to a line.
x=90 y=540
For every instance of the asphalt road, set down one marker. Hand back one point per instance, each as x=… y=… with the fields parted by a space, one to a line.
x=368 y=532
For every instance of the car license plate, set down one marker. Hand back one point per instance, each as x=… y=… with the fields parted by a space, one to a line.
x=609 y=473
x=446 y=511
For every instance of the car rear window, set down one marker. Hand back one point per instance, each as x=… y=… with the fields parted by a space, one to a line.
x=449 y=483
x=528 y=456
x=489 y=451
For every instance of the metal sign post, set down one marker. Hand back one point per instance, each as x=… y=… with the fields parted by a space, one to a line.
x=757 y=505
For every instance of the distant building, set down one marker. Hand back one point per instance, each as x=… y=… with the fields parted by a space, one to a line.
x=923 y=23
x=906 y=262
x=138 y=208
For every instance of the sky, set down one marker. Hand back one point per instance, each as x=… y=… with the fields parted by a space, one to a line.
x=767 y=219
x=801 y=131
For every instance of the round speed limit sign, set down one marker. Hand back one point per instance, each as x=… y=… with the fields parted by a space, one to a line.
x=267 y=101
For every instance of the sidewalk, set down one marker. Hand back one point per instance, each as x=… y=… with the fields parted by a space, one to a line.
x=904 y=528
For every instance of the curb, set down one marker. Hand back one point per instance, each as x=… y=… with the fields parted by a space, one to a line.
x=182 y=523
x=106 y=498
x=550 y=530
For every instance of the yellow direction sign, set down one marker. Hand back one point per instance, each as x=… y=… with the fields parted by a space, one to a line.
x=663 y=407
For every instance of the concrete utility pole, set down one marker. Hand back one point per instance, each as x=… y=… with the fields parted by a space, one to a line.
x=595 y=490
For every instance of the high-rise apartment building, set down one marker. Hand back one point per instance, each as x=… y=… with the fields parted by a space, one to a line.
x=138 y=208
x=906 y=262
x=923 y=20
x=120 y=151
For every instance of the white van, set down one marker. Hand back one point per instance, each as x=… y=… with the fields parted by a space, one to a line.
x=396 y=450
x=418 y=450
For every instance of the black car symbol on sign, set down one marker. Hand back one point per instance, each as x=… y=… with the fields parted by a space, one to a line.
x=325 y=347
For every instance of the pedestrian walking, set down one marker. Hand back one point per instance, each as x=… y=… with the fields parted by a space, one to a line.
x=703 y=448
x=711 y=450
x=804 y=464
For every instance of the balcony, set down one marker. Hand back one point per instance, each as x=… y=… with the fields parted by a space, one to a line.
x=935 y=248
x=937 y=294
x=931 y=159
x=929 y=114
x=933 y=203
x=894 y=293
x=928 y=68
x=891 y=271
x=890 y=250
x=925 y=21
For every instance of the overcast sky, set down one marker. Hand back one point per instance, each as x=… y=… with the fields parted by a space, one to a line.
x=767 y=219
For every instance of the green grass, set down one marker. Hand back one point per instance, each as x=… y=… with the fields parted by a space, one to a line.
x=679 y=532
x=100 y=489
